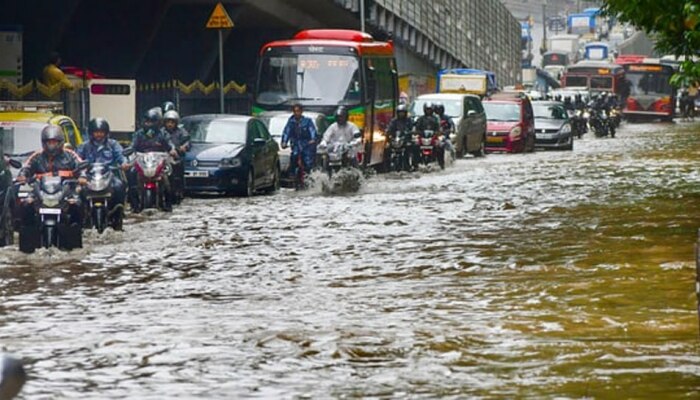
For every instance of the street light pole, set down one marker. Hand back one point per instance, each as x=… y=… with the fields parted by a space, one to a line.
x=362 y=15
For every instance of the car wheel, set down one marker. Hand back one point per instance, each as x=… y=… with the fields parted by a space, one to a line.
x=462 y=149
x=530 y=143
x=275 y=186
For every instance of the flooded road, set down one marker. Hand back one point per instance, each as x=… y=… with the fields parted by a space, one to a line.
x=554 y=274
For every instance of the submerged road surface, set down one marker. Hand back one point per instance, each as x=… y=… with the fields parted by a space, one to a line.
x=565 y=274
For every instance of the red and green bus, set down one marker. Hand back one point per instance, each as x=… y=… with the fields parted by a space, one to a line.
x=322 y=69
x=650 y=92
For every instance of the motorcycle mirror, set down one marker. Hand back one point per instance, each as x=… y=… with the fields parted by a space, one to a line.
x=357 y=135
x=14 y=163
x=128 y=151
x=83 y=165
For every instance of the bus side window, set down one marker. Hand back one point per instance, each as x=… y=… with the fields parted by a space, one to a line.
x=371 y=79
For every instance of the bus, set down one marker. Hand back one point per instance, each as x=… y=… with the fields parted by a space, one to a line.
x=650 y=92
x=322 y=69
x=597 y=76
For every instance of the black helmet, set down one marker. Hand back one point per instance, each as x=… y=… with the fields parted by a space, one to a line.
x=98 y=124
x=168 y=106
x=401 y=108
x=439 y=108
x=52 y=132
x=428 y=106
x=341 y=112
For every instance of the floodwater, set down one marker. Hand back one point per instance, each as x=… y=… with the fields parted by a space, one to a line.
x=554 y=274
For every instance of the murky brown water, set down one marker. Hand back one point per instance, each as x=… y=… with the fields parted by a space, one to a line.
x=556 y=275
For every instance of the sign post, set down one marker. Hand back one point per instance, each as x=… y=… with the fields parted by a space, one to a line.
x=220 y=20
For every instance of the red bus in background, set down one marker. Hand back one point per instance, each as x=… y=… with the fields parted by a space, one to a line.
x=597 y=76
x=629 y=59
x=650 y=92
x=322 y=69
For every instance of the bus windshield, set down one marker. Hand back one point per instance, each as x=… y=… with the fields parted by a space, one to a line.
x=649 y=83
x=311 y=79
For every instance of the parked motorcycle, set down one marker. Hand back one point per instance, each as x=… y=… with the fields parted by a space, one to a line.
x=98 y=195
x=57 y=204
x=151 y=169
x=431 y=144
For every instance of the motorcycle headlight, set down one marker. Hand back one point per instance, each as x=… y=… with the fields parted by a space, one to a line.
x=565 y=129
x=586 y=115
x=231 y=162
x=98 y=185
x=578 y=113
x=515 y=132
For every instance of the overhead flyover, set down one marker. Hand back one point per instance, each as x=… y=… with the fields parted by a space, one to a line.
x=161 y=40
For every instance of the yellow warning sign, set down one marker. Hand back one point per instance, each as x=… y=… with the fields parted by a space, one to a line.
x=219 y=18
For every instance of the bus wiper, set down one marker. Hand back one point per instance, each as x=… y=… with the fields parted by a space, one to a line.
x=300 y=99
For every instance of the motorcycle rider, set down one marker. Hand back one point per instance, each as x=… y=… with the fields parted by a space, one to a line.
x=568 y=105
x=167 y=106
x=53 y=160
x=301 y=134
x=403 y=126
x=104 y=150
x=341 y=131
x=430 y=122
x=150 y=137
x=181 y=140
x=447 y=127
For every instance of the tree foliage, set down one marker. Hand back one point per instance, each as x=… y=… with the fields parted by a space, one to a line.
x=675 y=25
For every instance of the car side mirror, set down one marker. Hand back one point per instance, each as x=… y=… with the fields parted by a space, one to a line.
x=471 y=113
x=259 y=142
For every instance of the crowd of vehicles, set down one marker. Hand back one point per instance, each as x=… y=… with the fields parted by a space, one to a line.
x=323 y=70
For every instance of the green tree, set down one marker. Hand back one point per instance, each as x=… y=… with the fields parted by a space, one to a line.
x=674 y=24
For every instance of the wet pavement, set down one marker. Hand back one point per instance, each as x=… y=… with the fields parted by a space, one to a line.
x=554 y=274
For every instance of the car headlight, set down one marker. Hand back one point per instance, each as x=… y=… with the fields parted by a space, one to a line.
x=231 y=162
x=565 y=129
x=515 y=132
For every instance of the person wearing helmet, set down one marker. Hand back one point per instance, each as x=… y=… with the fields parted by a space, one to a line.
x=167 y=106
x=300 y=133
x=402 y=126
x=100 y=148
x=52 y=160
x=341 y=131
x=447 y=126
x=181 y=141
x=430 y=122
x=150 y=138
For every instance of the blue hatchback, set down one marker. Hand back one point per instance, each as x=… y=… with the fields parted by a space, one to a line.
x=230 y=154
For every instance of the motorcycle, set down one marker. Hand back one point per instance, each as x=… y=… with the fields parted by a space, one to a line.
x=56 y=202
x=601 y=124
x=98 y=194
x=339 y=163
x=579 y=122
x=152 y=168
x=400 y=159
x=431 y=144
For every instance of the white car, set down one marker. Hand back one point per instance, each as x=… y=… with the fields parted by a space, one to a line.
x=275 y=122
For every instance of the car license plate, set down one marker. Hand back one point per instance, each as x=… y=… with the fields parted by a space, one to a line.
x=497 y=139
x=197 y=174
x=545 y=135
x=52 y=211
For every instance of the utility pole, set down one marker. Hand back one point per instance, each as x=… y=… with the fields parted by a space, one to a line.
x=544 y=27
x=362 y=15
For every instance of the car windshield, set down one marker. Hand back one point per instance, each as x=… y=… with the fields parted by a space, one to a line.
x=21 y=137
x=216 y=130
x=453 y=107
x=317 y=79
x=549 y=111
x=502 y=111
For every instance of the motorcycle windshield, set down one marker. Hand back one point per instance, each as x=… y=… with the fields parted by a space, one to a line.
x=51 y=184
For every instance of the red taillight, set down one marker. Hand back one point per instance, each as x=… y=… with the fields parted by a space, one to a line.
x=150 y=185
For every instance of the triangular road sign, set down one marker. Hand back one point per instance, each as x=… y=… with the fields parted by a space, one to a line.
x=219 y=18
